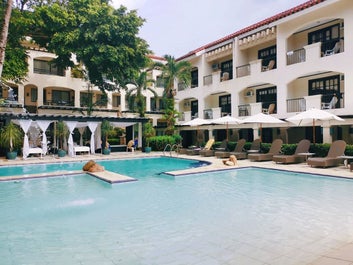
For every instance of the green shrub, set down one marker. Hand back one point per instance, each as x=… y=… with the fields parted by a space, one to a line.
x=114 y=141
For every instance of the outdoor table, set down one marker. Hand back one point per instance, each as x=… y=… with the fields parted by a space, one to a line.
x=346 y=160
x=306 y=155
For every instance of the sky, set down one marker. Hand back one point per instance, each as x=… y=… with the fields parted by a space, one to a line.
x=178 y=27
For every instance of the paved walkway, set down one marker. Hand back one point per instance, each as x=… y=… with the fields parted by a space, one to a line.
x=343 y=255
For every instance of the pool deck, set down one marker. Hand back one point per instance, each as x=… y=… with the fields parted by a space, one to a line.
x=342 y=255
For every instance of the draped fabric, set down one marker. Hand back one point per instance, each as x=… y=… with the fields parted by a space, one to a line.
x=25 y=124
x=81 y=131
x=99 y=138
x=43 y=125
x=92 y=126
x=71 y=125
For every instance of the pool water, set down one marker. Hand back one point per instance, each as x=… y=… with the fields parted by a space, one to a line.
x=245 y=216
x=131 y=167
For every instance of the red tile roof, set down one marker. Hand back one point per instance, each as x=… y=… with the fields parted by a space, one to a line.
x=152 y=56
x=264 y=22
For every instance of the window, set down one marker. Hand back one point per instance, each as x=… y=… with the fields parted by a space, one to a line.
x=225 y=104
x=195 y=78
x=194 y=108
x=268 y=54
x=34 y=94
x=47 y=68
x=85 y=99
x=267 y=96
x=61 y=97
x=116 y=101
x=153 y=104
x=227 y=67
x=327 y=36
x=160 y=82
x=327 y=87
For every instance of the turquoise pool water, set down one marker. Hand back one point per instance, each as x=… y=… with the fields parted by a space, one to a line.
x=129 y=167
x=248 y=216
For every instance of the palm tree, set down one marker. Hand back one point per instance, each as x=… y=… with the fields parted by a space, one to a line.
x=171 y=71
x=4 y=33
x=135 y=95
x=174 y=70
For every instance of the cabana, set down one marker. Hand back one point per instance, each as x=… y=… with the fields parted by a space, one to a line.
x=26 y=120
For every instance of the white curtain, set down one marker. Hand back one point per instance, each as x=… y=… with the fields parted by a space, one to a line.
x=81 y=131
x=25 y=124
x=71 y=125
x=98 y=138
x=43 y=125
x=92 y=126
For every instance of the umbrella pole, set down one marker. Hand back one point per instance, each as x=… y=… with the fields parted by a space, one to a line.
x=227 y=132
x=314 y=131
x=261 y=132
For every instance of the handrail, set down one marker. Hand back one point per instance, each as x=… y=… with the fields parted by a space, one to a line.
x=174 y=147
x=165 y=148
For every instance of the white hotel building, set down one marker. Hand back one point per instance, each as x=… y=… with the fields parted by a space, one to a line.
x=288 y=63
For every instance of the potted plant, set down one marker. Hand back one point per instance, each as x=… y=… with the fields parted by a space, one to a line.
x=11 y=139
x=107 y=130
x=61 y=133
x=148 y=132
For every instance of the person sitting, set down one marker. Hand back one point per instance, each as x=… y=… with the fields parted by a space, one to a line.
x=231 y=161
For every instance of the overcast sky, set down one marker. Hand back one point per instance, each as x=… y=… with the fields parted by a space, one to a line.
x=177 y=27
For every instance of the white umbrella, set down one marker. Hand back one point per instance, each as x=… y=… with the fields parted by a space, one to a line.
x=227 y=120
x=312 y=115
x=261 y=118
x=196 y=122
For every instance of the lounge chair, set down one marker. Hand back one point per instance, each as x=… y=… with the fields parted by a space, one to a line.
x=302 y=147
x=239 y=147
x=274 y=150
x=196 y=151
x=254 y=148
x=211 y=152
x=332 y=159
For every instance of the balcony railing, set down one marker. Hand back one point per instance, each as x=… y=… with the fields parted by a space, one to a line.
x=207 y=80
x=208 y=114
x=296 y=56
x=182 y=86
x=244 y=110
x=243 y=70
x=296 y=105
x=59 y=103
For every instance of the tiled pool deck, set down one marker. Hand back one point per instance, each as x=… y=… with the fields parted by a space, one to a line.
x=342 y=255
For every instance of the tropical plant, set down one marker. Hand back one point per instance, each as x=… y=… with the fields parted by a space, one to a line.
x=134 y=95
x=106 y=130
x=171 y=71
x=148 y=132
x=61 y=132
x=11 y=136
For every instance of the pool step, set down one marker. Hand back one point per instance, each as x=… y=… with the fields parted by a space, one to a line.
x=111 y=177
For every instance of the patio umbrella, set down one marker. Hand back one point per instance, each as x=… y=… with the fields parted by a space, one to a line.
x=196 y=123
x=261 y=118
x=311 y=116
x=226 y=120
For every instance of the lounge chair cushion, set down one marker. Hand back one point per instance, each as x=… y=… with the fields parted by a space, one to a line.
x=332 y=159
x=274 y=150
x=302 y=147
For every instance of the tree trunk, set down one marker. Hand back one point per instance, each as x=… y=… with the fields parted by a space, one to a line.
x=4 y=33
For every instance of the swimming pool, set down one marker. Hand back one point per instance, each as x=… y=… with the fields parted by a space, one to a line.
x=246 y=216
x=128 y=167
